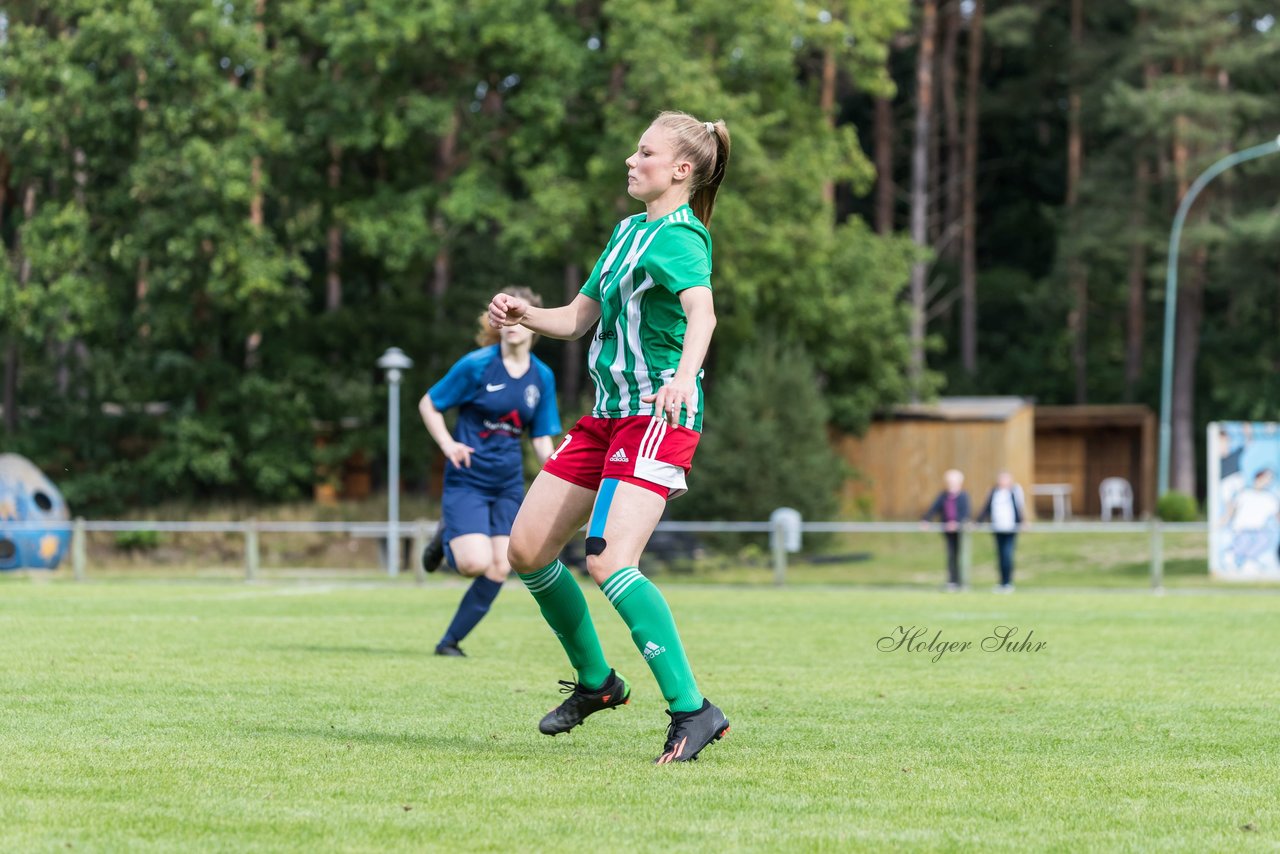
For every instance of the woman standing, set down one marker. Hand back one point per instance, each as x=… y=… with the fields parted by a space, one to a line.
x=501 y=391
x=1005 y=511
x=951 y=508
x=649 y=302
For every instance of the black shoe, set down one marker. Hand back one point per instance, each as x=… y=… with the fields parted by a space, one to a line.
x=450 y=649
x=691 y=731
x=573 y=711
x=433 y=554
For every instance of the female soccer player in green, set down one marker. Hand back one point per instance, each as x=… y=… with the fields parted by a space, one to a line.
x=649 y=302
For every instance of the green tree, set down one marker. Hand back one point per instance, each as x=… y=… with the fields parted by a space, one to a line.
x=217 y=216
x=766 y=444
x=1212 y=72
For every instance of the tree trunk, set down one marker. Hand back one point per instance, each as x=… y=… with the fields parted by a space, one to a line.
x=141 y=285
x=1181 y=407
x=446 y=155
x=253 y=342
x=920 y=190
x=1136 y=315
x=884 y=166
x=571 y=363
x=62 y=350
x=28 y=213
x=333 y=237
x=1183 y=469
x=441 y=265
x=950 y=226
x=827 y=102
x=6 y=169
x=260 y=82
x=933 y=171
x=11 y=383
x=1077 y=277
x=1184 y=466
x=969 y=200
x=12 y=354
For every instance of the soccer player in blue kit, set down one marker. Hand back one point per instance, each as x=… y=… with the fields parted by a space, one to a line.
x=502 y=392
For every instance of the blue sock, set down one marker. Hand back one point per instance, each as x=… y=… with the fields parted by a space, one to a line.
x=471 y=610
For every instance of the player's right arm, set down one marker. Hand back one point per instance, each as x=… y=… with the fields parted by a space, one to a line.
x=456 y=452
x=566 y=322
x=459 y=386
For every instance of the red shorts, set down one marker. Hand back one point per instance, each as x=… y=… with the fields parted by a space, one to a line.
x=639 y=449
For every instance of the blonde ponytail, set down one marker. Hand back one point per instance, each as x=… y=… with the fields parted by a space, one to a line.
x=706 y=146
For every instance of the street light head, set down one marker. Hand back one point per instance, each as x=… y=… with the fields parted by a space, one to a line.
x=394 y=360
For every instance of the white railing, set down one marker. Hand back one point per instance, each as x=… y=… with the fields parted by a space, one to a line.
x=784 y=529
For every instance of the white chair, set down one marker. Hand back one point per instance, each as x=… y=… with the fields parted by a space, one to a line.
x=1116 y=494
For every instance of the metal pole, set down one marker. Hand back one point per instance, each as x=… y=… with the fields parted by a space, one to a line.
x=777 y=539
x=420 y=540
x=1157 y=556
x=393 y=473
x=77 y=548
x=1171 y=292
x=394 y=362
x=252 y=556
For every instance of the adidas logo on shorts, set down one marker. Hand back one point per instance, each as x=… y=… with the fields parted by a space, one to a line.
x=619 y=456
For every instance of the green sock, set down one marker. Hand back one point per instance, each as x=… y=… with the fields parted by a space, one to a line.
x=565 y=610
x=654 y=632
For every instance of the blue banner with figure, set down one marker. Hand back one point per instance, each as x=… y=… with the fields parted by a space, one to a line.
x=1243 y=494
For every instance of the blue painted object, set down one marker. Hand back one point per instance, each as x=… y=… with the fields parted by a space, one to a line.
x=30 y=498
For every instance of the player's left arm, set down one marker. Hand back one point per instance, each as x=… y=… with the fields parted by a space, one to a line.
x=546 y=417
x=682 y=390
x=542 y=447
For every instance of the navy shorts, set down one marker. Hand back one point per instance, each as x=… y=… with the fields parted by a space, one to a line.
x=490 y=512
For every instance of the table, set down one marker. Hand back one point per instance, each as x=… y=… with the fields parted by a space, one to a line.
x=1061 y=495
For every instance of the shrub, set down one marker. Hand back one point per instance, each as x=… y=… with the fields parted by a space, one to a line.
x=1177 y=507
x=137 y=541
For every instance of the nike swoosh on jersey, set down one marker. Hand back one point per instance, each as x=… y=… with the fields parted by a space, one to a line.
x=491 y=387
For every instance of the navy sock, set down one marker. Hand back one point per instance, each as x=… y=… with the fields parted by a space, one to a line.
x=471 y=610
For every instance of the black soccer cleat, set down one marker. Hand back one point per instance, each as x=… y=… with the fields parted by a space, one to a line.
x=433 y=554
x=689 y=732
x=451 y=650
x=573 y=711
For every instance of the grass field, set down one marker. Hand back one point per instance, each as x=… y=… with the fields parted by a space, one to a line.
x=213 y=716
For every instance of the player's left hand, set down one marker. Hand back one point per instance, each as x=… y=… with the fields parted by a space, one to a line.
x=671 y=399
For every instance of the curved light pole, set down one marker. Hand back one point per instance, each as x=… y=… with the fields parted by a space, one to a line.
x=394 y=362
x=1171 y=291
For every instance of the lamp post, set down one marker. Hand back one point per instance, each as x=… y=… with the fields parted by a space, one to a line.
x=1171 y=292
x=394 y=362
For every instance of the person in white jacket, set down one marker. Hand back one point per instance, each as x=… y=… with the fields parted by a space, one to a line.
x=1005 y=510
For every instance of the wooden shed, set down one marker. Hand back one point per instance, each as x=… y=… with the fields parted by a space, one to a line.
x=1078 y=446
x=901 y=459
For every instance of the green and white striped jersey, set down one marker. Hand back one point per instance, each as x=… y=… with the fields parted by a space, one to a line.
x=637 y=281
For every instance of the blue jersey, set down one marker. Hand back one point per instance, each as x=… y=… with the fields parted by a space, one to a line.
x=494 y=410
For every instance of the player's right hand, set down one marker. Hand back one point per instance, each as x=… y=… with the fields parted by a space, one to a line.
x=460 y=455
x=507 y=310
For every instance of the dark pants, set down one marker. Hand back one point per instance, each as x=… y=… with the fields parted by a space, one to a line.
x=1004 y=551
x=953 y=556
